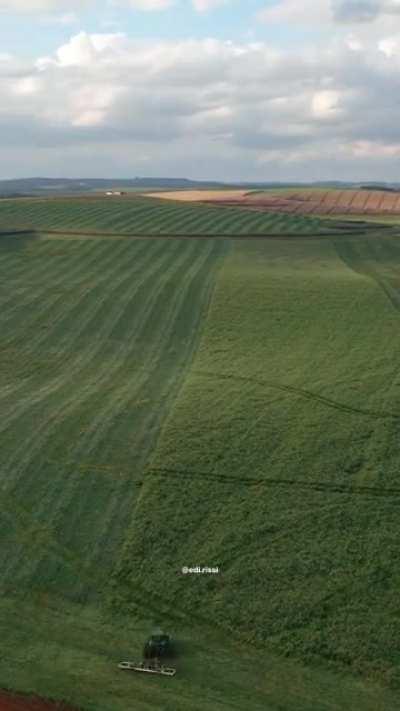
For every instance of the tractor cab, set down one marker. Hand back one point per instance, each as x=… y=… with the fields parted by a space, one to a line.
x=158 y=645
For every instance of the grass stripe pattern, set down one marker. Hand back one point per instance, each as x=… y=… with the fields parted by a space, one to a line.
x=95 y=341
x=150 y=217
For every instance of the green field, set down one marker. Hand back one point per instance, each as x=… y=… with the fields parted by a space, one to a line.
x=287 y=473
x=148 y=217
x=200 y=402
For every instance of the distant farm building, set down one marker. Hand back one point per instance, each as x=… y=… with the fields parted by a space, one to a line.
x=115 y=192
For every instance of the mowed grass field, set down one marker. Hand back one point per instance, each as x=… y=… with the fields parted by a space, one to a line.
x=212 y=402
x=286 y=472
x=148 y=217
x=94 y=340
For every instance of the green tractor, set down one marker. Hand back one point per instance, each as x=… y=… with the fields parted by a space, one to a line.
x=157 y=646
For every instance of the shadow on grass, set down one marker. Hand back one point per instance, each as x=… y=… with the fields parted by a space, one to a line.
x=14 y=240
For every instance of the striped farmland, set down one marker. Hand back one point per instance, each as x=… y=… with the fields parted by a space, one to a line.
x=90 y=358
x=147 y=217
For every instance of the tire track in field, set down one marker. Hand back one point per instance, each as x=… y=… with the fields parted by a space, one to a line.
x=367 y=266
x=304 y=394
x=323 y=487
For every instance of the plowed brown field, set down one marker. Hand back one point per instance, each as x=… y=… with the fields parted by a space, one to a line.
x=316 y=202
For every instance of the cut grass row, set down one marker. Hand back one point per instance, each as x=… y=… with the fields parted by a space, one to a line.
x=145 y=216
x=94 y=341
x=65 y=651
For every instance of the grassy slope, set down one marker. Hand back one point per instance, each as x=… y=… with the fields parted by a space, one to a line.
x=286 y=472
x=148 y=217
x=94 y=339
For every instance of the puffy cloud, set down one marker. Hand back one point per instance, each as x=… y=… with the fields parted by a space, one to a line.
x=83 y=49
x=326 y=104
x=205 y=108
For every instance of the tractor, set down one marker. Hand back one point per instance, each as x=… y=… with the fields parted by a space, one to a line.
x=157 y=646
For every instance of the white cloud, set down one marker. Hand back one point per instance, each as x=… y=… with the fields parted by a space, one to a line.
x=205 y=107
x=373 y=149
x=32 y=6
x=307 y=12
x=326 y=104
x=390 y=46
x=206 y=5
x=149 y=5
x=83 y=49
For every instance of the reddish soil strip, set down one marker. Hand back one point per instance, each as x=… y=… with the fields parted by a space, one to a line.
x=332 y=202
x=11 y=702
x=389 y=202
x=374 y=201
x=333 y=197
x=346 y=198
x=353 y=198
x=325 y=199
x=361 y=200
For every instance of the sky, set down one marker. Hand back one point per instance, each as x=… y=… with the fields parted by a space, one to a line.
x=244 y=90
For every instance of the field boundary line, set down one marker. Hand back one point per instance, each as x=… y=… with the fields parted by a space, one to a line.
x=330 y=232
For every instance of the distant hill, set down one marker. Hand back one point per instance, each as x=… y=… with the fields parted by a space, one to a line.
x=33 y=186
x=22 y=187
